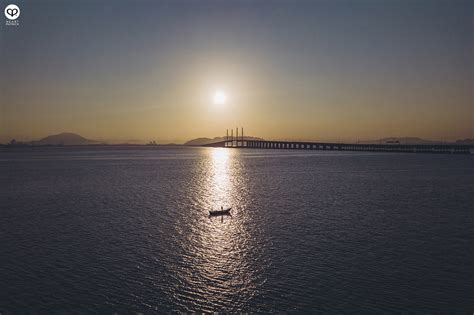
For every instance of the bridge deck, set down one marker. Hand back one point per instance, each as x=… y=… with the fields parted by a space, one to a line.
x=302 y=145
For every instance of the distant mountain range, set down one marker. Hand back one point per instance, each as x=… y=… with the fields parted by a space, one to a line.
x=69 y=138
x=65 y=138
x=465 y=141
x=414 y=140
x=405 y=140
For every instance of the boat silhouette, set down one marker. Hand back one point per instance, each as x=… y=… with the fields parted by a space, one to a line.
x=222 y=211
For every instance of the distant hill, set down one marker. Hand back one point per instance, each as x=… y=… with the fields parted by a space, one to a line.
x=170 y=145
x=204 y=141
x=68 y=138
x=465 y=141
x=405 y=140
x=65 y=138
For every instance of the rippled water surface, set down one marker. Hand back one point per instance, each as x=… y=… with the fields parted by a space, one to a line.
x=114 y=229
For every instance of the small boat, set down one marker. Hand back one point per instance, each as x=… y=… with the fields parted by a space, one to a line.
x=222 y=211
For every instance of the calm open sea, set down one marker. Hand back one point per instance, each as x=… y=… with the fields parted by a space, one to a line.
x=126 y=229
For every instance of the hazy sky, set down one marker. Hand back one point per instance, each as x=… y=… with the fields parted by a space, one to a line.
x=323 y=70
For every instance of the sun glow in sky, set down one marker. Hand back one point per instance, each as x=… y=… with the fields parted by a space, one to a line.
x=219 y=97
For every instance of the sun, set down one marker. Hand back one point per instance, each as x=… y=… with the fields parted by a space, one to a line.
x=219 y=97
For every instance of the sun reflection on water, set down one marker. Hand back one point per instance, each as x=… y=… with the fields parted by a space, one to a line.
x=220 y=254
x=220 y=185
